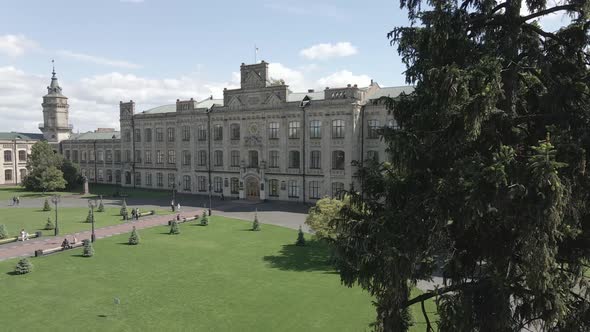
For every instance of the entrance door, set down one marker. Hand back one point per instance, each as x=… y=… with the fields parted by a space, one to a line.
x=252 y=189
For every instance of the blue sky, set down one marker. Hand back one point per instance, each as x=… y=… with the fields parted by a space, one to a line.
x=155 y=51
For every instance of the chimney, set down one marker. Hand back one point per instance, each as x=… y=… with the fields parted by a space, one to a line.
x=310 y=90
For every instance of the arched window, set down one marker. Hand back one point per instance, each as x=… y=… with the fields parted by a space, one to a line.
x=8 y=175
x=7 y=156
x=235 y=131
x=127 y=177
x=338 y=159
x=273 y=188
x=235 y=186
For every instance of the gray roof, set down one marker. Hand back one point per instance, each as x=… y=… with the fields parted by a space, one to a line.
x=298 y=96
x=95 y=136
x=18 y=136
x=171 y=108
x=208 y=103
x=390 y=92
x=162 y=109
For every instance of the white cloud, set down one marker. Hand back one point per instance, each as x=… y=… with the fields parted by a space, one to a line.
x=328 y=50
x=292 y=77
x=308 y=9
x=550 y=22
x=343 y=78
x=16 y=45
x=98 y=60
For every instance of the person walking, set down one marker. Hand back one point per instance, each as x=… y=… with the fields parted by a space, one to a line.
x=172 y=205
x=17 y=200
x=178 y=207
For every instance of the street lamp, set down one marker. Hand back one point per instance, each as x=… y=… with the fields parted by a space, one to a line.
x=55 y=199
x=92 y=205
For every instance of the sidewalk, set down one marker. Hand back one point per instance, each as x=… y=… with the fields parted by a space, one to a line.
x=27 y=248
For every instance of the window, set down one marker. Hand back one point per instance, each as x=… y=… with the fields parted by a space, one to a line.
x=235 y=158
x=235 y=186
x=253 y=159
x=159 y=179
x=315 y=129
x=92 y=155
x=202 y=158
x=148 y=179
x=171 y=180
x=137 y=178
x=202 y=133
x=109 y=176
x=117 y=156
x=273 y=159
x=100 y=156
x=373 y=129
x=373 y=155
x=137 y=135
x=127 y=135
x=7 y=156
x=68 y=155
x=338 y=129
x=338 y=159
x=118 y=176
x=202 y=183
x=218 y=158
x=159 y=135
x=217 y=184
x=170 y=134
x=235 y=131
x=127 y=156
x=314 y=189
x=171 y=157
x=337 y=189
x=218 y=132
x=148 y=135
x=316 y=159
x=84 y=156
x=294 y=159
x=273 y=188
x=392 y=124
x=108 y=154
x=23 y=174
x=148 y=156
x=8 y=175
x=137 y=156
x=186 y=180
x=159 y=157
x=294 y=129
x=74 y=155
x=22 y=155
x=186 y=158
x=186 y=133
x=273 y=130
x=127 y=176
x=293 y=189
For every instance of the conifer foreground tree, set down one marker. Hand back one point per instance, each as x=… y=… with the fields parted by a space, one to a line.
x=488 y=180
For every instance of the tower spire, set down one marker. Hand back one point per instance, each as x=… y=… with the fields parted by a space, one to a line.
x=53 y=65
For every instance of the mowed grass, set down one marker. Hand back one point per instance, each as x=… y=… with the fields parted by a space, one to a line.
x=106 y=190
x=222 y=277
x=7 y=193
x=71 y=220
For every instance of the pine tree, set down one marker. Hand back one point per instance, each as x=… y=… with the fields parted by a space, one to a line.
x=474 y=187
x=49 y=225
x=88 y=249
x=300 y=238
x=204 y=219
x=100 y=207
x=46 y=206
x=123 y=211
x=3 y=232
x=134 y=237
x=256 y=223
x=90 y=216
x=23 y=266
x=174 y=229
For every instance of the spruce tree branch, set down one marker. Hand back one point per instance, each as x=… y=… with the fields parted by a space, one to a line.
x=548 y=11
x=543 y=33
x=428 y=326
x=438 y=292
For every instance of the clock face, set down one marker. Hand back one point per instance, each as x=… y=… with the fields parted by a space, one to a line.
x=253 y=129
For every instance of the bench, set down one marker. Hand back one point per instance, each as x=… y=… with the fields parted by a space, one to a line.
x=183 y=220
x=17 y=238
x=44 y=252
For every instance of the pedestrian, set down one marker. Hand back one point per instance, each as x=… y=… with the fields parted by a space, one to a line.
x=17 y=201
x=133 y=214
x=13 y=200
x=172 y=205
x=178 y=207
x=178 y=217
x=222 y=197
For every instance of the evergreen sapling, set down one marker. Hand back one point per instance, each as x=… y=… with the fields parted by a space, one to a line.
x=46 y=206
x=204 y=219
x=134 y=237
x=88 y=249
x=256 y=223
x=23 y=266
x=3 y=232
x=90 y=216
x=100 y=207
x=174 y=230
x=123 y=211
x=300 y=238
x=49 y=225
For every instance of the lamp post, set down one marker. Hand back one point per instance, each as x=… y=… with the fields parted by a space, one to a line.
x=174 y=192
x=92 y=205
x=55 y=199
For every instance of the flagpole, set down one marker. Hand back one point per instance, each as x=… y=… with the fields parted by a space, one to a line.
x=255 y=54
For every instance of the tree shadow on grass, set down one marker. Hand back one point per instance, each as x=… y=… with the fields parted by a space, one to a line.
x=12 y=273
x=314 y=256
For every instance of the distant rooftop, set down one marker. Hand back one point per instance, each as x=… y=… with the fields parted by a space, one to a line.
x=97 y=135
x=20 y=136
x=171 y=108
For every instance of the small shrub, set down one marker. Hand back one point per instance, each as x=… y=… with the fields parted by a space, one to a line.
x=174 y=230
x=300 y=238
x=3 y=232
x=49 y=225
x=256 y=223
x=204 y=219
x=100 y=207
x=88 y=249
x=46 y=206
x=123 y=211
x=134 y=237
x=90 y=216
x=23 y=266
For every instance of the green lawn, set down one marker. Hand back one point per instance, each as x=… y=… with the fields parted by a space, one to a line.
x=71 y=220
x=222 y=277
x=6 y=193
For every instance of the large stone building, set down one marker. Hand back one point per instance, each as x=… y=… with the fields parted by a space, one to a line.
x=260 y=141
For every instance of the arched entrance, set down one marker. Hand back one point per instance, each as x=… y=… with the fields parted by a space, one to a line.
x=252 y=188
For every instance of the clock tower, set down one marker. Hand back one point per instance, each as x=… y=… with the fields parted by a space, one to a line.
x=55 y=126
